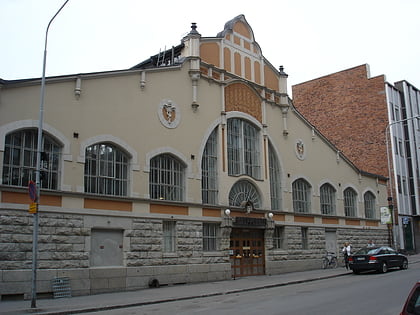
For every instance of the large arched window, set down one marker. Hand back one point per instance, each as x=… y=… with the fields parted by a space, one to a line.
x=369 y=201
x=244 y=191
x=275 y=193
x=244 y=148
x=209 y=191
x=19 y=163
x=166 y=178
x=106 y=170
x=327 y=199
x=301 y=192
x=350 y=202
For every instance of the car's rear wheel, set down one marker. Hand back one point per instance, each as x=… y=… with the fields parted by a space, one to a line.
x=404 y=264
x=384 y=268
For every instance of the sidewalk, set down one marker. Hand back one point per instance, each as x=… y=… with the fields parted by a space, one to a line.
x=109 y=301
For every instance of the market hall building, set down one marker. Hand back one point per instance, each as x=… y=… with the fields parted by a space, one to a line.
x=191 y=166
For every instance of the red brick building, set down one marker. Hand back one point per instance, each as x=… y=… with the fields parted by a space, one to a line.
x=357 y=113
x=350 y=109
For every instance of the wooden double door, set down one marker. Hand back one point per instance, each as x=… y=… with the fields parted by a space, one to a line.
x=247 y=252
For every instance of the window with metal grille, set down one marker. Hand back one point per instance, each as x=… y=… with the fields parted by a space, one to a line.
x=369 y=201
x=19 y=161
x=273 y=164
x=210 y=236
x=244 y=191
x=106 y=170
x=301 y=193
x=279 y=237
x=327 y=199
x=350 y=202
x=304 y=234
x=166 y=178
x=169 y=236
x=243 y=144
x=209 y=189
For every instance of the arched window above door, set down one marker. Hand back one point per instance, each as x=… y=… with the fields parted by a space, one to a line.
x=242 y=192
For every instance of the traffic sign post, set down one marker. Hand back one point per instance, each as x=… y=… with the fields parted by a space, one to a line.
x=33 y=208
x=32 y=191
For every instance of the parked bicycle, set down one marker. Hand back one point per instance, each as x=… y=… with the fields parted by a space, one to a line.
x=329 y=261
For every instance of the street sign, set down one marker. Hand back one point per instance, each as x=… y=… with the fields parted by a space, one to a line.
x=386 y=217
x=33 y=207
x=32 y=191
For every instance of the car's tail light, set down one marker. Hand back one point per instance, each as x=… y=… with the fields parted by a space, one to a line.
x=372 y=260
x=350 y=259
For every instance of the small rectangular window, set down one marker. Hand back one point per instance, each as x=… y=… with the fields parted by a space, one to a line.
x=279 y=238
x=304 y=232
x=169 y=236
x=210 y=236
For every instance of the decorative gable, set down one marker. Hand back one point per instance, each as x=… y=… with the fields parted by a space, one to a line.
x=240 y=97
x=236 y=51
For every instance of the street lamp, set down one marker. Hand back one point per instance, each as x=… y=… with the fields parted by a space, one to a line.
x=391 y=198
x=38 y=166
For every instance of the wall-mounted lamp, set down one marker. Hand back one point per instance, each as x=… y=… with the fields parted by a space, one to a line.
x=270 y=215
x=227 y=212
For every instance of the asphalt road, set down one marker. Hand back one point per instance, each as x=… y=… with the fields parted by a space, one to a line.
x=364 y=294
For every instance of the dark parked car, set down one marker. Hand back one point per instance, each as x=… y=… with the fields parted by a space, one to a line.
x=412 y=305
x=377 y=258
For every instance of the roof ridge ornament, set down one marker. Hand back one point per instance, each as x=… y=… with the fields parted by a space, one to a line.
x=194 y=29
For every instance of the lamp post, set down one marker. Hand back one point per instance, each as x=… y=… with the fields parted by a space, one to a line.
x=38 y=166
x=391 y=197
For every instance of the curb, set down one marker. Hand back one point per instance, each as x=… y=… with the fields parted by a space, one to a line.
x=40 y=311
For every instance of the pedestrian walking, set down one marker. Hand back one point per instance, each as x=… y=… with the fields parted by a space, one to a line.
x=346 y=252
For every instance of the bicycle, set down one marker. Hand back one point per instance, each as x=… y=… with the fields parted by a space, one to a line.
x=329 y=261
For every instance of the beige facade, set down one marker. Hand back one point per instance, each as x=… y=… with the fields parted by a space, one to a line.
x=170 y=106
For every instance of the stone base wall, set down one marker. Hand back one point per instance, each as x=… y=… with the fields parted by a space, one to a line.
x=101 y=280
x=69 y=245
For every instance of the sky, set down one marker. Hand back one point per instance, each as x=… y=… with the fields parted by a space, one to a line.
x=309 y=38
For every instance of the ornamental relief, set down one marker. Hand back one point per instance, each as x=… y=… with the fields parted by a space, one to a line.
x=300 y=149
x=169 y=114
x=239 y=97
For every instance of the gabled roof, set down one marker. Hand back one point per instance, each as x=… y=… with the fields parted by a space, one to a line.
x=230 y=24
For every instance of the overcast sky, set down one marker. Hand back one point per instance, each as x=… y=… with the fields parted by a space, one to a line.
x=309 y=38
